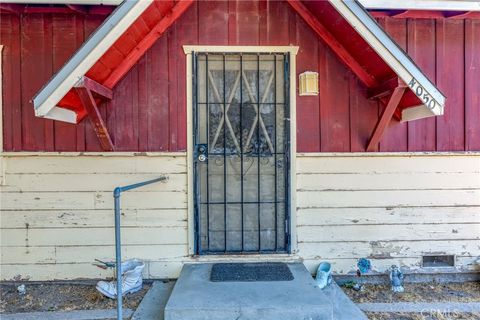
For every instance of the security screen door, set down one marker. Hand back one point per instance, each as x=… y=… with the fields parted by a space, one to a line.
x=241 y=160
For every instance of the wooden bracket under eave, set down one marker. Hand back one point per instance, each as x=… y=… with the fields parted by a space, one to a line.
x=94 y=86
x=386 y=116
x=385 y=89
x=88 y=101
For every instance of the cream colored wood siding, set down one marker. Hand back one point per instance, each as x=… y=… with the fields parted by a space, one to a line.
x=57 y=211
x=391 y=208
x=57 y=214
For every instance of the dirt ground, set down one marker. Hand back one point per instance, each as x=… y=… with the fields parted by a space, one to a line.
x=65 y=297
x=418 y=292
x=417 y=316
x=61 y=297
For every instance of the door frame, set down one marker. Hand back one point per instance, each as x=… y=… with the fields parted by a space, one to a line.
x=292 y=50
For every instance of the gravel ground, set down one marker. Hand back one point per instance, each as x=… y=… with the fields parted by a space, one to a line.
x=418 y=292
x=61 y=297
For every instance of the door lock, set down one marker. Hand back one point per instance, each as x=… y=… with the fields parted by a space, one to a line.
x=202 y=152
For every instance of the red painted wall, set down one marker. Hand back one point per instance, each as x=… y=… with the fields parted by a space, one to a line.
x=148 y=112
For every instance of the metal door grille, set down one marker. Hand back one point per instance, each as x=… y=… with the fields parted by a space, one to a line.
x=241 y=162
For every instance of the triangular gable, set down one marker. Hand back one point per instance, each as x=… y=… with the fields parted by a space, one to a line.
x=135 y=25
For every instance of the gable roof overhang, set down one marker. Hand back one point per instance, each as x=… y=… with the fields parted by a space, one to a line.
x=359 y=42
x=57 y=100
x=107 y=55
x=375 y=55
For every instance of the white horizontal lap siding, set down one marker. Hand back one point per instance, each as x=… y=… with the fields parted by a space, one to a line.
x=391 y=208
x=57 y=214
x=57 y=211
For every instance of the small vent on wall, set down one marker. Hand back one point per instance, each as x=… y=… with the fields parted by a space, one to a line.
x=438 y=261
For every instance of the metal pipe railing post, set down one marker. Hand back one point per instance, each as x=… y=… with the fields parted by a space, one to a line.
x=118 y=252
x=118 y=244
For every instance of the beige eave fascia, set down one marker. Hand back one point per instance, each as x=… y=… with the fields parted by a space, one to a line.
x=437 y=5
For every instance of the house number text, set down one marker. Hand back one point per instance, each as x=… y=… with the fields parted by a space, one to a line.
x=422 y=94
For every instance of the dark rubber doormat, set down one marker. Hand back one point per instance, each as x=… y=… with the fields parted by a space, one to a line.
x=247 y=272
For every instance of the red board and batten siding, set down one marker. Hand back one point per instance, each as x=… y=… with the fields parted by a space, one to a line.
x=148 y=112
x=472 y=84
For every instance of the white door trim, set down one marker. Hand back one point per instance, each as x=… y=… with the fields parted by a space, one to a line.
x=188 y=49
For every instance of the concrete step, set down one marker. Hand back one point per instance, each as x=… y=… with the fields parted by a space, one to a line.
x=195 y=297
x=153 y=304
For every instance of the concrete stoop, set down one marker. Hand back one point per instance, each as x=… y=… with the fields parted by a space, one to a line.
x=343 y=307
x=195 y=297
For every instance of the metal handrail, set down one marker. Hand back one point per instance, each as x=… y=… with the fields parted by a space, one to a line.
x=118 y=254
